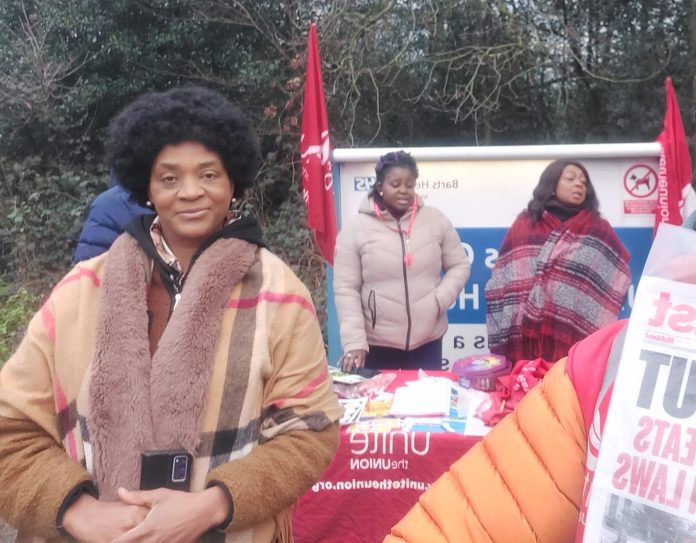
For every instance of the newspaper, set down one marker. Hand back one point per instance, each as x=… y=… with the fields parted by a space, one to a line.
x=644 y=485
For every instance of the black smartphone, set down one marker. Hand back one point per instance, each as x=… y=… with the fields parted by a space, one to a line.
x=166 y=469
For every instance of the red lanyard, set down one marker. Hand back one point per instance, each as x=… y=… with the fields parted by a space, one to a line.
x=408 y=256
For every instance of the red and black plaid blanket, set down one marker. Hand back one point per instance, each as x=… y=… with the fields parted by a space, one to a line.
x=553 y=284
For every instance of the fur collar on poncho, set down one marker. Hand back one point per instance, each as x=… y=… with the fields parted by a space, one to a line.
x=139 y=402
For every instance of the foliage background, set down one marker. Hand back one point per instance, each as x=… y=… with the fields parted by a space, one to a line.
x=396 y=72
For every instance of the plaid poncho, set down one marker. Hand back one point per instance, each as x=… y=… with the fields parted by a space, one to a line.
x=239 y=378
x=553 y=284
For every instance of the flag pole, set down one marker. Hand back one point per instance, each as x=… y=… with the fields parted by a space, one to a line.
x=315 y=154
x=674 y=175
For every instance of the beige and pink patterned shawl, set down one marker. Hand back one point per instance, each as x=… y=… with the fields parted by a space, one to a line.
x=241 y=362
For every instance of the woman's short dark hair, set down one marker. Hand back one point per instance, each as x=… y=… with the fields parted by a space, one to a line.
x=395 y=159
x=154 y=120
x=546 y=188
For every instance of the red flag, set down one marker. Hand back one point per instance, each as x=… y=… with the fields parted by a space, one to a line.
x=315 y=150
x=674 y=177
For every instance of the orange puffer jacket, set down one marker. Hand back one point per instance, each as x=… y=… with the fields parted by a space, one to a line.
x=522 y=483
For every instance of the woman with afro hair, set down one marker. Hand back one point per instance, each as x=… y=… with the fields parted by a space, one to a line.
x=162 y=392
x=397 y=268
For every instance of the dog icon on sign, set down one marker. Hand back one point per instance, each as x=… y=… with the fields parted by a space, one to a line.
x=640 y=181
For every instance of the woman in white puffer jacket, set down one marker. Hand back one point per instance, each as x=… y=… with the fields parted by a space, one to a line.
x=398 y=266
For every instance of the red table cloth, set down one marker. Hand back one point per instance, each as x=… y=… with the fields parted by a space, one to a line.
x=375 y=478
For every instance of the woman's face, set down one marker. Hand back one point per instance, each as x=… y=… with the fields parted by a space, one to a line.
x=398 y=190
x=191 y=193
x=571 y=188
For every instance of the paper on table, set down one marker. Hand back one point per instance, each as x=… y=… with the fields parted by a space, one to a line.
x=352 y=409
x=378 y=407
x=339 y=376
x=422 y=398
x=476 y=427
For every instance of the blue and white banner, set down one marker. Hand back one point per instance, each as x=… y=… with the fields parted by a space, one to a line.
x=482 y=197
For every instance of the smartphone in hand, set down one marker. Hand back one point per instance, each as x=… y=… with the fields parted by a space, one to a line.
x=166 y=469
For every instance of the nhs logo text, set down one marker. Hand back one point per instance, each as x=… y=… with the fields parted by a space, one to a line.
x=363 y=184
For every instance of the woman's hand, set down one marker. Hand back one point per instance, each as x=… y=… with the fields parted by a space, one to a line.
x=174 y=517
x=353 y=360
x=90 y=520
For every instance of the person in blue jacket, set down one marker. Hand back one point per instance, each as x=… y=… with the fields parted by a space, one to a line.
x=109 y=214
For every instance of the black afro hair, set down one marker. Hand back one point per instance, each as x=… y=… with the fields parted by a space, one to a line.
x=155 y=120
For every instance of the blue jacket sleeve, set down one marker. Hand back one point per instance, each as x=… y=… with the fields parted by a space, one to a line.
x=108 y=216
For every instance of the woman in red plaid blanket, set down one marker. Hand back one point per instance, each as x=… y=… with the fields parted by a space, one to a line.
x=562 y=273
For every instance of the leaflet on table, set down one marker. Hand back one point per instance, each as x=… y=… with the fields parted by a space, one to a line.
x=378 y=407
x=644 y=485
x=344 y=378
x=462 y=402
x=352 y=409
x=434 y=425
x=476 y=427
x=375 y=415
x=350 y=385
x=384 y=424
x=425 y=397
x=465 y=401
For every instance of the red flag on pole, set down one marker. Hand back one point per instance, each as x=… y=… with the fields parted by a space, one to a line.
x=315 y=150
x=674 y=178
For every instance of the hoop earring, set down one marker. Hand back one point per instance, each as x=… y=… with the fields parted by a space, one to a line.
x=235 y=210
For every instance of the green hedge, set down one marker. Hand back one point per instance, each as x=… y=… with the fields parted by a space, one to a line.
x=45 y=205
x=17 y=305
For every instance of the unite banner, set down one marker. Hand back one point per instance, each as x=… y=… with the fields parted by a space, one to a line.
x=483 y=196
x=644 y=485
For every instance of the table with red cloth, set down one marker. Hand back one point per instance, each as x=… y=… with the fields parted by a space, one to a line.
x=374 y=479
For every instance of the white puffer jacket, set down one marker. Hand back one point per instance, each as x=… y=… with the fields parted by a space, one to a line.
x=380 y=300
